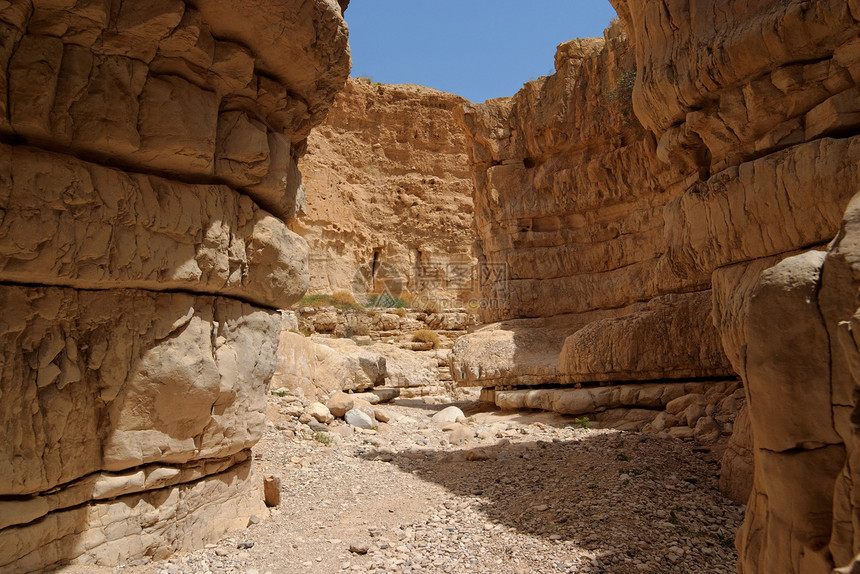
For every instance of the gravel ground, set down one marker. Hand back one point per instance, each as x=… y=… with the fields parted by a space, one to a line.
x=532 y=494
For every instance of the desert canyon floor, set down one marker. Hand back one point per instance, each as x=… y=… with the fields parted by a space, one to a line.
x=533 y=493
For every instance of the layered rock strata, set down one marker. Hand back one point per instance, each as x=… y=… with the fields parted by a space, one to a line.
x=388 y=154
x=791 y=334
x=771 y=117
x=147 y=176
x=571 y=220
x=664 y=166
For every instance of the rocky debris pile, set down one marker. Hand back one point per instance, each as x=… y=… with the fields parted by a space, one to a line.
x=704 y=410
x=360 y=411
x=526 y=493
x=346 y=352
x=386 y=324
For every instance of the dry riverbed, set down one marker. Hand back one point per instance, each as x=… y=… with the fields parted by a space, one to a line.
x=534 y=493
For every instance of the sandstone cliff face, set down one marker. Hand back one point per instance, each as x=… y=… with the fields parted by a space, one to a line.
x=570 y=217
x=389 y=194
x=764 y=99
x=147 y=176
x=654 y=179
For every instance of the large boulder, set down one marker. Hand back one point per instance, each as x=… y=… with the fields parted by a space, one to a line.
x=407 y=368
x=127 y=391
x=320 y=366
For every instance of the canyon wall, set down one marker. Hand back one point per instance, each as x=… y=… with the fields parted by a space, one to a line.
x=766 y=97
x=147 y=177
x=570 y=218
x=389 y=200
x=660 y=208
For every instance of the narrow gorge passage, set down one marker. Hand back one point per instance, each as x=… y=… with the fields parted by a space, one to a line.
x=259 y=316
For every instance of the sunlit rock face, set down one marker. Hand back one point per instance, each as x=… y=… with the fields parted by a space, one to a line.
x=765 y=95
x=571 y=209
x=389 y=195
x=147 y=178
x=660 y=207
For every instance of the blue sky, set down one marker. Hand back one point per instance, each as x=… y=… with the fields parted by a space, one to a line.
x=478 y=49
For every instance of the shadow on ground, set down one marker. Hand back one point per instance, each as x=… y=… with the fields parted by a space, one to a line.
x=607 y=491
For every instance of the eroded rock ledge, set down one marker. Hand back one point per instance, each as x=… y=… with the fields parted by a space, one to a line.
x=147 y=178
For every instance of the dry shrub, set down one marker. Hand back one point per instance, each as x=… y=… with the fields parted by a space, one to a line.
x=426 y=336
x=344 y=298
x=356 y=331
x=429 y=306
x=315 y=300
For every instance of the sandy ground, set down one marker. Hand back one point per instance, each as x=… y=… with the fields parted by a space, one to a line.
x=532 y=493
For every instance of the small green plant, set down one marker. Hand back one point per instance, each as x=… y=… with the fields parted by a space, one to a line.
x=622 y=94
x=621 y=98
x=582 y=422
x=322 y=437
x=385 y=300
x=622 y=457
x=279 y=393
x=315 y=300
x=426 y=336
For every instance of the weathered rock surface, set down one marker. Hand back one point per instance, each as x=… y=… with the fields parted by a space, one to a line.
x=670 y=337
x=771 y=120
x=387 y=154
x=693 y=147
x=120 y=230
x=129 y=382
x=320 y=366
x=407 y=368
x=799 y=364
x=147 y=176
x=448 y=415
x=578 y=249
